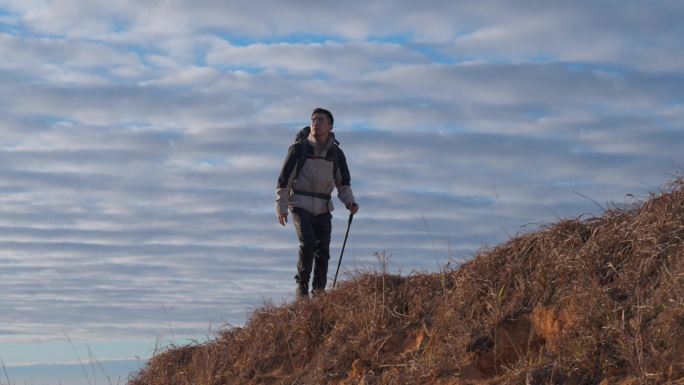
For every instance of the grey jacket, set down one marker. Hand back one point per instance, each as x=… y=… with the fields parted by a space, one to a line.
x=314 y=180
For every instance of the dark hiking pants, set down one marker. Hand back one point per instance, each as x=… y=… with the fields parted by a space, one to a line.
x=314 y=248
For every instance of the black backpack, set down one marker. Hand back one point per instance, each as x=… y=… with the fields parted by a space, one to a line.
x=303 y=149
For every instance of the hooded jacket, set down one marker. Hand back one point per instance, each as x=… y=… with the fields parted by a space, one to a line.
x=315 y=178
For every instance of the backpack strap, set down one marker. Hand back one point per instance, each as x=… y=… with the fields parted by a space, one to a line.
x=302 y=148
x=341 y=163
x=313 y=194
x=336 y=158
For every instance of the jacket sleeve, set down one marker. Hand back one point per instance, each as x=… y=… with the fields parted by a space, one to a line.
x=343 y=180
x=285 y=181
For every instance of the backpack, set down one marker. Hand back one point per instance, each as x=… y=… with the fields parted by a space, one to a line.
x=303 y=149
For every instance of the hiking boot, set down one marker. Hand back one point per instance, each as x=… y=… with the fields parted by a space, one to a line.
x=302 y=292
x=317 y=292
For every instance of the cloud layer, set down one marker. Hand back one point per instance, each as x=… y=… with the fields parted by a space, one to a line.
x=141 y=141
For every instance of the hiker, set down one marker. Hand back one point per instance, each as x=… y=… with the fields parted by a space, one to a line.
x=313 y=167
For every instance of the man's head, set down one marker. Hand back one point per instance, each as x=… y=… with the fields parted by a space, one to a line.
x=324 y=112
x=321 y=123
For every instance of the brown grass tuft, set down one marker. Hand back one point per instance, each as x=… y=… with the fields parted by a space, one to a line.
x=591 y=301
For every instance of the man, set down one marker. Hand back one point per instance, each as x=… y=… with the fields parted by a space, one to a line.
x=313 y=167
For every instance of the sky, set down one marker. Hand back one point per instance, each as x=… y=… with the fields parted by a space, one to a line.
x=141 y=142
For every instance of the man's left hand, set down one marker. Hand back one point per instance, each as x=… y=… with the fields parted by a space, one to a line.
x=353 y=207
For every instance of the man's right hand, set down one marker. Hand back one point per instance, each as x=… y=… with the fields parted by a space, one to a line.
x=282 y=219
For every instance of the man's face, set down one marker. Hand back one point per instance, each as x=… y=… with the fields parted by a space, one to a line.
x=320 y=125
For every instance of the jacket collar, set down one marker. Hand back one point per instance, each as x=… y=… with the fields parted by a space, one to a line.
x=325 y=146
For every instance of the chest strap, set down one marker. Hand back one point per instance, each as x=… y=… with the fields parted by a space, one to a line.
x=329 y=159
x=313 y=194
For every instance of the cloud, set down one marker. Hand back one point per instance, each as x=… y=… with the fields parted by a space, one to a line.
x=327 y=58
x=65 y=61
x=638 y=35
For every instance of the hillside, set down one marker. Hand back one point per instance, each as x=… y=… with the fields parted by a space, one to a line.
x=582 y=301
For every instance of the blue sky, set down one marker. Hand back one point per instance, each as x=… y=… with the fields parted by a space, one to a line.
x=141 y=142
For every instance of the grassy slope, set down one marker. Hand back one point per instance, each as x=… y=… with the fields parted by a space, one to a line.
x=576 y=302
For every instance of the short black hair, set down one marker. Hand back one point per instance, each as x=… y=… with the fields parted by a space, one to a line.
x=324 y=111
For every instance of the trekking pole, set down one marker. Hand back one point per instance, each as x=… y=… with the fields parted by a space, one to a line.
x=351 y=216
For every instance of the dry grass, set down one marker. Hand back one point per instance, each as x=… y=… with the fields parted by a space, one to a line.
x=577 y=302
